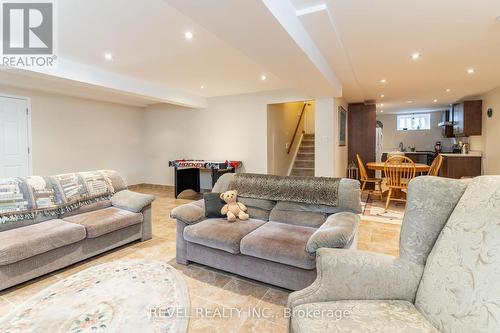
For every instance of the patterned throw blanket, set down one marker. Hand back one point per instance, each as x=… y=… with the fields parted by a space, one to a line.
x=22 y=198
x=311 y=190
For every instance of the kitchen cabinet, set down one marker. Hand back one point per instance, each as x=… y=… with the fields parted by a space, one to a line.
x=446 y=124
x=460 y=166
x=467 y=118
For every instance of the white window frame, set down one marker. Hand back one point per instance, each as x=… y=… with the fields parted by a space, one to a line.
x=406 y=122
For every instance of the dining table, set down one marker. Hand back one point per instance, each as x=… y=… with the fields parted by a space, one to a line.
x=379 y=166
x=419 y=167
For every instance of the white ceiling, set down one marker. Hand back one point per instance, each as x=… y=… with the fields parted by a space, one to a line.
x=147 y=41
x=365 y=41
x=320 y=47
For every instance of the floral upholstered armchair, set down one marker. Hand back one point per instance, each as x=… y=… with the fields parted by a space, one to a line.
x=447 y=278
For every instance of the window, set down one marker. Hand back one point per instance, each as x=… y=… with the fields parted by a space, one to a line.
x=414 y=122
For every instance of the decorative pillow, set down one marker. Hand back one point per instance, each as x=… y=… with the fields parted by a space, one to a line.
x=213 y=204
x=337 y=232
x=131 y=201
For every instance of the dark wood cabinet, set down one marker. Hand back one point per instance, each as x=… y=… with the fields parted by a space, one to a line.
x=467 y=118
x=361 y=124
x=460 y=166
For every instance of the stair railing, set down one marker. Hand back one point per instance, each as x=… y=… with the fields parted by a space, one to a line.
x=297 y=127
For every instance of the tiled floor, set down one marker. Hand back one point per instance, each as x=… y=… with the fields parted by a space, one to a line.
x=208 y=288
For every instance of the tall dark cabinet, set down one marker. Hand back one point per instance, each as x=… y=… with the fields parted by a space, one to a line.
x=361 y=125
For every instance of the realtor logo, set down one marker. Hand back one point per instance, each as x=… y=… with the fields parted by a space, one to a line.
x=28 y=33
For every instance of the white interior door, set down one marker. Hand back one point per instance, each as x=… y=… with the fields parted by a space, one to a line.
x=14 y=142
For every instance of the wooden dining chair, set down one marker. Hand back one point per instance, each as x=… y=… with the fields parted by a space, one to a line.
x=398 y=171
x=365 y=179
x=435 y=166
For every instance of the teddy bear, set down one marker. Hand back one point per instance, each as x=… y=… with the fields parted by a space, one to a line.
x=233 y=208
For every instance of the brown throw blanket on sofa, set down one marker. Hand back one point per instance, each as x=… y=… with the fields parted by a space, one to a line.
x=311 y=190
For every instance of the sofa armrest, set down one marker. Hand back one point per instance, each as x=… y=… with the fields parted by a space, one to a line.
x=189 y=213
x=131 y=201
x=356 y=275
x=147 y=223
x=338 y=231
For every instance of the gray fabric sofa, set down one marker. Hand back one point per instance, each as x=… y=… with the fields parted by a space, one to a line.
x=274 y=245
x=445 y=280
x=72 y=231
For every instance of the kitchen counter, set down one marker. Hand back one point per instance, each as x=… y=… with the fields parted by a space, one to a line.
x=470 y=154
x=461 y=165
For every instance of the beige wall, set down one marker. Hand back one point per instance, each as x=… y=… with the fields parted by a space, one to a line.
x=74 y=134
x=232 y=127
x=490 y=139
x=282 y=119
x=423 y=140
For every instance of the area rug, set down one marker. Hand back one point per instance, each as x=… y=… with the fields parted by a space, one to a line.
x=374 y=209
x=121 y=296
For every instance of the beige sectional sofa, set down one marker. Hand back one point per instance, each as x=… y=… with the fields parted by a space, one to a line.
x=45 y=224
x=277 y=244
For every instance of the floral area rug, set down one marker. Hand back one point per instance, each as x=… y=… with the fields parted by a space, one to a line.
x=121 y=296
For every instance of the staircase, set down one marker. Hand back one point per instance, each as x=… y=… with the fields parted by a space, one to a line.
x=304 y=162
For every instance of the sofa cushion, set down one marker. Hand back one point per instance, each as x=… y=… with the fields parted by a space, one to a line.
x=88 y=208
x=257 y=203
x=221 y=234
x=308 y=219
x=132 y=201
x=305 y=207
x=258 y=213
x=350 y=196
x=360 y=316
x=280 y=242
x=104 y=221
x=22 y=243
x=222 y=184
x=426 y=214
x=9 y=225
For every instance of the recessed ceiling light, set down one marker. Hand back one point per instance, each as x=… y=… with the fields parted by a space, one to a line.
x=435 y=100
x=448 y=89
x=382 y=96
x=202 y=87
x=188 y=35
x=383 y=81
x=415 y=56
x=409 y=102
x=471 y=71
x=108 y=56
x=381 y=104
x=263 y=77
x=381 y=111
